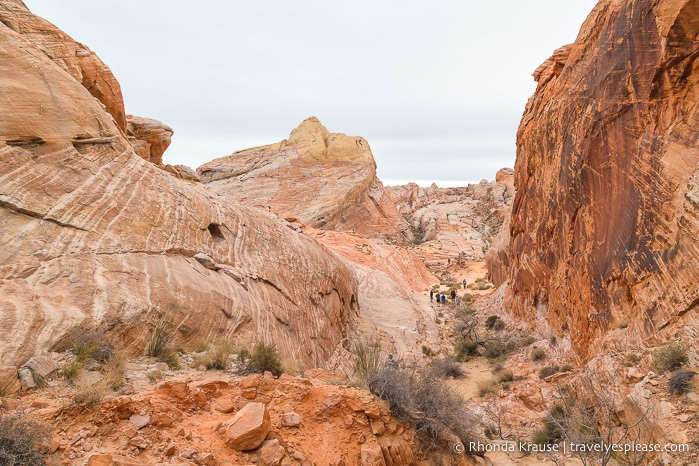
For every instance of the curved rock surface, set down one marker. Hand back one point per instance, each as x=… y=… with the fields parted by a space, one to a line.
x=92 y=234
x=320 y=179
x=71 y=56
x=605 y=219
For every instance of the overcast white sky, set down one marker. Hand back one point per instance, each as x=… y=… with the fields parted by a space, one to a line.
x=437 y=88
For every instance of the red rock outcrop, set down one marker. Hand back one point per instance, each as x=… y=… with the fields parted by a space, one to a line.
x=92 y=234
x=320 y=179
x=71 y=56
x=606 y=213
x=149 y=138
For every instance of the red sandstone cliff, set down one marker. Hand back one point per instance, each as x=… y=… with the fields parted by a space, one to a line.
x=606 y=215
x=92 y=234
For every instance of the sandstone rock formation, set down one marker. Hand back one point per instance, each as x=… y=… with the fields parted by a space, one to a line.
x=320 y=179
x=149 y=138
x=605 y=218
x=71 y=56
x=94 y=235
x=455 y=223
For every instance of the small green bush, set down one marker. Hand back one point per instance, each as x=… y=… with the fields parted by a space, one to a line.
x=170 y=358
x=264 y=358
x=548 y=371
x=537 y=354
x=91 y=345
x=71 y=370
x=218 y=358
x=427 y=351
x=496 y=350
x=21 y=441
x=566 y=368
x=494 y=323
x=505 y=376
x=680 y=382
x=466 y=348
x=670 y=357
x=526 y=341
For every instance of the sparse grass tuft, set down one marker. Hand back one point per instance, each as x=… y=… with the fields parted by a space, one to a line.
x=537 y=354
x=526 y=341
x=486 y=387
x=367 y=359
x=218 y=357
x=91 y=345
x=505 y=375
x=427 y=351
x=548 y=371
x=670 y=357
x=160 y=335
x=72 y=370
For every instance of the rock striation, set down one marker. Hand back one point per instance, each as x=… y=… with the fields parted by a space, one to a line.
x=322 y=180
x=94 y=235
x=606 y=213
x=72 y=57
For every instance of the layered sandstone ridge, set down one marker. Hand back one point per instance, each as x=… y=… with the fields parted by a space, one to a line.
x=605 y=219
x=92 y=235
x=321 y=179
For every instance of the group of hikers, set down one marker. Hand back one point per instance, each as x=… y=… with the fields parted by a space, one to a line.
x=441 y=297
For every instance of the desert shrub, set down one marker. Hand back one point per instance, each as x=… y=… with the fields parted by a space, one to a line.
x=263 y=358
x=201 y=346
x=505 y=375
x=218 y=357
x=495 y=350
x=631 y=359
x=170 y=358
x=551 y=432
x=91 y=345
x=367 y=359
x=160 y=334
x=566 y=368
x=446 y=367
x=486 y=387
x=466 y=348
x=427 y=351
x=537 y=354
x=114 y=371
x=71 y=370
x=90 y=395
x=548 y=371
x=426 y=402
x=680 y=382
x=494 y=323
x=22 y=442
x=670 y=357
x=526 y=341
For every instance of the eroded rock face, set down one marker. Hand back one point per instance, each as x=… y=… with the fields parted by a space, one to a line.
x=73 y=57
x=291 y=179
x=149 y=138
x=92 y=234
x=455 y=223
x=605 y=219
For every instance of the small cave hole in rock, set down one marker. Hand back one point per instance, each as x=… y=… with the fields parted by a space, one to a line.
x=215 y=230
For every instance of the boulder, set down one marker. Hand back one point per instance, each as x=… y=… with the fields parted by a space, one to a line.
x=249 y=427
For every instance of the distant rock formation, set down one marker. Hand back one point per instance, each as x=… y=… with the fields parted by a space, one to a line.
x=453 y=223
x=323 y=180
x=93 y=235
x=605 y=220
